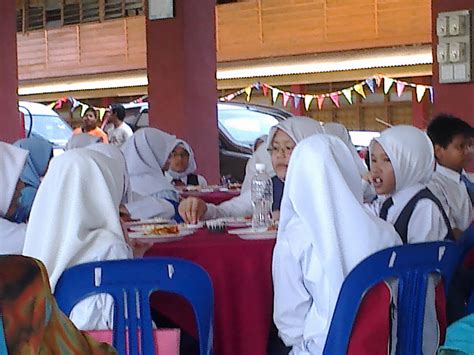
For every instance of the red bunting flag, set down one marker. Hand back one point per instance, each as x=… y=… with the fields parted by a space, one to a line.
x=265 y=89
x=335 y=98
x=320 y=101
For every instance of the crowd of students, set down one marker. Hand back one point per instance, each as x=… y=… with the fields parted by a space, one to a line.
x=68 y=210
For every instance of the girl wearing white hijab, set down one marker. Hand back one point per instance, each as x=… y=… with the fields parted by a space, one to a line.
x=72 y=223
x=402 y=162
x=146 y=155
x=282 y=139
x=12 y=163
x=182 y=166
x=317 y=245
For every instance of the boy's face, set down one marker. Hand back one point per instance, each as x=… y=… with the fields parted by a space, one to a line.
x=456 y=155
x=383 y=177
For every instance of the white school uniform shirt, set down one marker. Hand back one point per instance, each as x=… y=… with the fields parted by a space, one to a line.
x=12 y=162
x=72 y=223
x=190 y=169
x=447 y=186
x=317 y=245
x=298 y=128
x=119 y=135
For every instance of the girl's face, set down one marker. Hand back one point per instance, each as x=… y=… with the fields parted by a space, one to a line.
x=383 y=176
x=179 y=159
x=280 y=151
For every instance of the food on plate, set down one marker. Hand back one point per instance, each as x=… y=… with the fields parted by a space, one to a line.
x=161 y=230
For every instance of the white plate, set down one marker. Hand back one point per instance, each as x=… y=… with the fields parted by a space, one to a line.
x=148 y=221
x=162 y=238
x=192 y=226
x=250 y=234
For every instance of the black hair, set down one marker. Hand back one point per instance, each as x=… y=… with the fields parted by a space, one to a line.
x=444 y=127
x=119 y=110
x=91 y=109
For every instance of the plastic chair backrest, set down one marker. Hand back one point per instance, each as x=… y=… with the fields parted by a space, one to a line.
x=412 y=265
x=130 y=283
x=466 y=243
x=3 y=341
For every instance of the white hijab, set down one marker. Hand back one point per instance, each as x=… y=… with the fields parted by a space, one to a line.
x=12 y=162
x=146 y=153
x=338 y=130
x=81 y=140
x=411 y=154
x=322 y=215
x=75 y=216
x=191 y=168
x=298 y=128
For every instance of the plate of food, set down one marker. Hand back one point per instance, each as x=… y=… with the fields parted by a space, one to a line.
x=158 y=233
x=151 y=221
x=254 y=234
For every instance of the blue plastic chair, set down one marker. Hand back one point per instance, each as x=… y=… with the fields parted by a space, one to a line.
x=466 y=243
x=131 y=282
x=3 y=341
x=411 y=265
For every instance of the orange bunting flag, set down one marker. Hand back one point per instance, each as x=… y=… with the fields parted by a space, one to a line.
x=286 y=97
x=400 y=88
x=307 y=101
x=387 y=84
x=359 y=88
x=335 y=98
x=275 y=93
x=320 y=101
x=420 y=92
x=248 y=91
x=348 y=95
x=265 y=89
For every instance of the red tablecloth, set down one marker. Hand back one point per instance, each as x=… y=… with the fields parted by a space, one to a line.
x=214 y=197
x=241 y=275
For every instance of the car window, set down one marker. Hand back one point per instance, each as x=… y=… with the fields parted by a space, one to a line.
x=51 y=128
x=245 y=126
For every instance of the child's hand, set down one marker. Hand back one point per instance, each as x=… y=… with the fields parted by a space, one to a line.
x=368 y=177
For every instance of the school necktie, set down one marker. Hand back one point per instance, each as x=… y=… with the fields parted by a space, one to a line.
x=385 y=207
x=178 y=182
x=469 y=187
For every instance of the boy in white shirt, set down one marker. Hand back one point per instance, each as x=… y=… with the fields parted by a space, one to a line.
x=117 y=130
x=452 y=139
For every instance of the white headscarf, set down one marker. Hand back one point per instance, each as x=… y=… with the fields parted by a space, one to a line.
x=116 y=154
x=338 y=130
x=75 y=216
x=12 y=162
x=146 y=153
x=411 y=154
x=298 y=128
x=322 y=218
x=191 y=168
x=81 y=140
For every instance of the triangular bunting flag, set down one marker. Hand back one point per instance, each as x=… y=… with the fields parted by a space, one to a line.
x=387 y=84
x=248 y=91
x=371 y=84
x=359 y=88
x=83 y=109
x=420 y=92
x=400 y=88
x=52 y=104
x=378 y=80
x=286 y=97
x=320 y=101
x=431 y=94
x=335 y=98
x=348 y=95
x=101 y=113
x=296 y=100
x=307 y=101
x=265 y=90
x=257 y=85
x=275 y=93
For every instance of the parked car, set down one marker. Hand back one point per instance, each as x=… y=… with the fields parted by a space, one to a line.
x=41 y=121
x=239 y=126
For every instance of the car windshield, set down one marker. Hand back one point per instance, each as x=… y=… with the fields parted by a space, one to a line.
x=245 y=126
x=51 y=128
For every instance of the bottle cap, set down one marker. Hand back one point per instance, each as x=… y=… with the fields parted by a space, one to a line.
x=260 y=167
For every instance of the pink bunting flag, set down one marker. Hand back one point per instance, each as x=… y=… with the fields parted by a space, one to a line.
x=286 y=97
x=320 y=101
x=265 y=89
x=335 y=98
x=400 y=88
x=378 y=80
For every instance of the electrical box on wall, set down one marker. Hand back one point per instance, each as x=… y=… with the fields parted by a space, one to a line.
x=455 y=48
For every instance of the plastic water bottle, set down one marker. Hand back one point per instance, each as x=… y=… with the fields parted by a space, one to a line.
x=262 y=198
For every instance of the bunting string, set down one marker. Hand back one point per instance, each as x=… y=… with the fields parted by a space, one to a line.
x=308 y=99
x=58 y=104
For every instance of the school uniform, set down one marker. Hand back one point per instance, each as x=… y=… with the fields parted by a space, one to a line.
x=71 y=224
x=12 y=162
x=188 y=176
x=298 y=128
x=146 y=153
x=188 y=180
x=316 y=247
x=449 y=187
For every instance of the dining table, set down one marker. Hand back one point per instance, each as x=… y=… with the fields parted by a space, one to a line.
x=216 y=196
x=240 y=270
